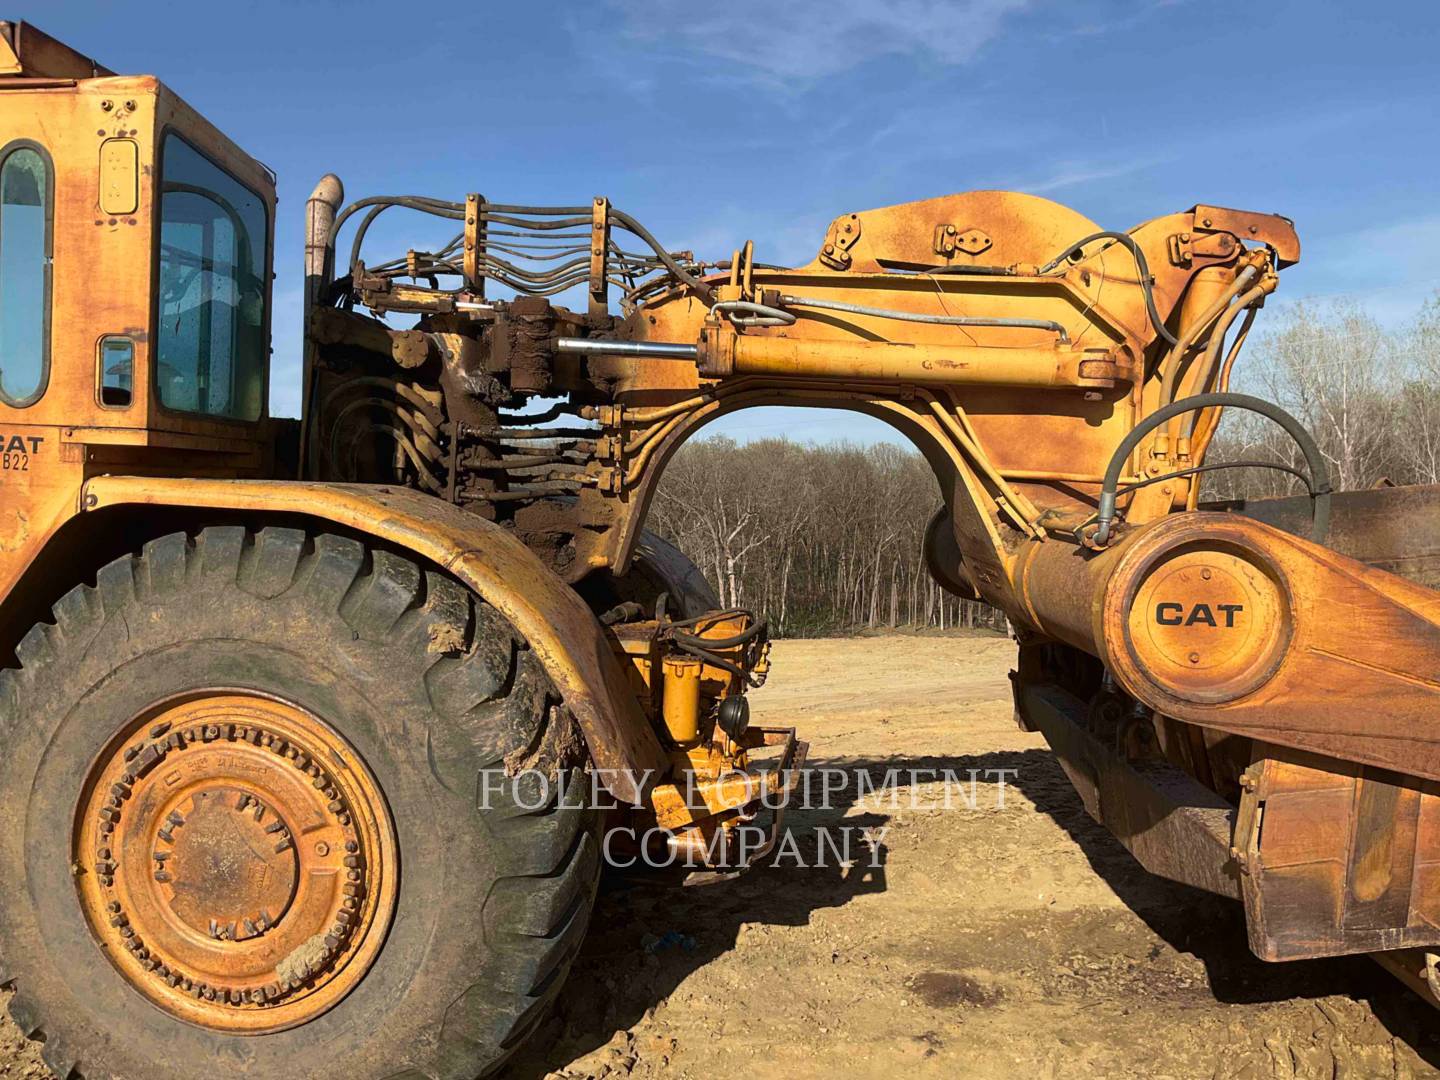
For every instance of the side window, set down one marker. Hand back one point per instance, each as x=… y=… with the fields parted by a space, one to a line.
x=115 y=382
x=25 y=228
x=211 y=325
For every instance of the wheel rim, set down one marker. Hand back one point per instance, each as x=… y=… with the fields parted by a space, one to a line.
x=236 y=861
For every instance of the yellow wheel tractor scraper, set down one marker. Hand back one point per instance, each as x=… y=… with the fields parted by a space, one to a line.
x=303 y=722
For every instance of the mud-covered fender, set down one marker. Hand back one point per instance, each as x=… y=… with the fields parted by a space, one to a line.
x=564 y=633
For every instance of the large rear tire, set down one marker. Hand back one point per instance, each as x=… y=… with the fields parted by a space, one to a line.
x=206 y=679
x=658 y=567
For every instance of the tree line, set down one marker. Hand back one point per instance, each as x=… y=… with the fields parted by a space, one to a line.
x=817 y=538
x=827 y=538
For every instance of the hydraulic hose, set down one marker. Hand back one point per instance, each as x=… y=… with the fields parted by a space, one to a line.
x=497 y=212
x=1192 y=332
x=1147 y=284
x=913 y=316
x=745 y=314
x=1314 y=460
x=1210 y=363
x=703 y=291
x=1210 y=360
x=1204 y=428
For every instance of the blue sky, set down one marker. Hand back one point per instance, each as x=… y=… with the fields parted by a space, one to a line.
x=718 y=122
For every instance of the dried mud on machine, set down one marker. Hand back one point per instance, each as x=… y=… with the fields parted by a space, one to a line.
x=302 y=718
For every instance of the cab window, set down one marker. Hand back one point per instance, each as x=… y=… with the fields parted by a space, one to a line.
x=211 y=307
x=117 y=369
x=25 y=256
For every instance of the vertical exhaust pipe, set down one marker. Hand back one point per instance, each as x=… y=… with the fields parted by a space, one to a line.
x=320 y=212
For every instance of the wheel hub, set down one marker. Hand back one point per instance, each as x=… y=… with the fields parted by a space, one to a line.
x=242 y=864
x=225 y=874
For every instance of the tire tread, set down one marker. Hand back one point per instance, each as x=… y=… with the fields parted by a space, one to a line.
x=491 y=699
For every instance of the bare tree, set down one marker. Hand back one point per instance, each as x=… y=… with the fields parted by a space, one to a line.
x=1370 y=397
x=1418 y=413
x=820 y=539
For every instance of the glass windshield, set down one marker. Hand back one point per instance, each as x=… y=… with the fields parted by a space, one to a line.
x=211 y=337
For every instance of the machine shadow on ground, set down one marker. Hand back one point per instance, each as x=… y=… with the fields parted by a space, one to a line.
x=634 y=958
x=1212 y=928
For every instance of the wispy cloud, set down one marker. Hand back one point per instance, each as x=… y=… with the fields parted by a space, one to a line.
x=1098 y=27
x=795 y=43
x=1387 y=267
x=1074 y=173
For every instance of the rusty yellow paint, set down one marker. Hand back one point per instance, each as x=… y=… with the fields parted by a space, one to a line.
x=119 y=176
x=720 y=781
x=678 y=806
x=229 y=794
x=91 y=124
x=503 y=571
x=1209 y=621
x=1312 y=633
x=1018 y=410
x=1052 y=365
x=9 y=61
x=680 y=699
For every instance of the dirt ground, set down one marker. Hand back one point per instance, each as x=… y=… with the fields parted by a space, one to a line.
x=1014 y=939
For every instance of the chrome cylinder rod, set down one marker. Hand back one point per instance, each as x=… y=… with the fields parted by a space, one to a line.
x=668 y=350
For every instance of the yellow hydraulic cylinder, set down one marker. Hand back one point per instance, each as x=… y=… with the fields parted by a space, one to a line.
x=1043 y=367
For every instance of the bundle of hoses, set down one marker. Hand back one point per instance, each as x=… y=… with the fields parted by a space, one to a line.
x=1318 y=474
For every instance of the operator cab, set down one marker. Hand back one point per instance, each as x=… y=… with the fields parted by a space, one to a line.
x=135 y=268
